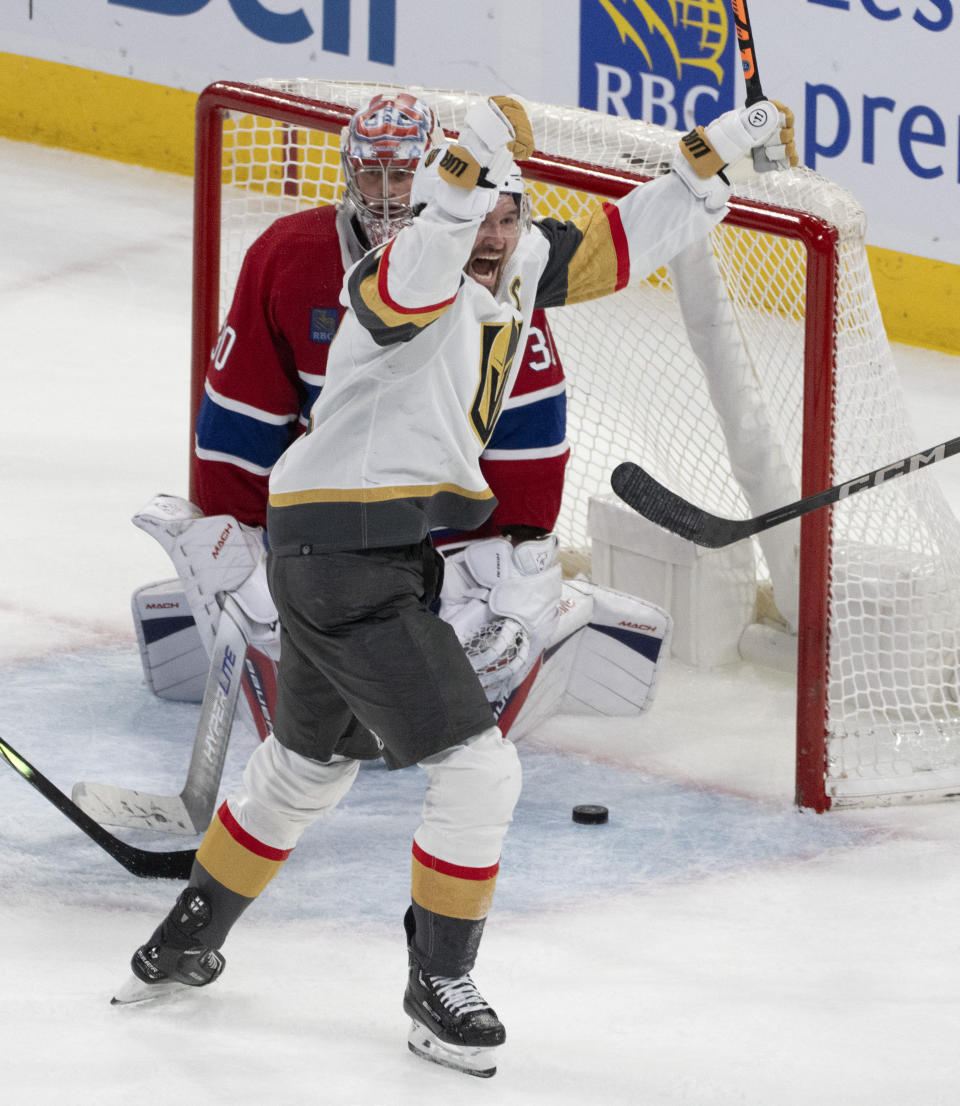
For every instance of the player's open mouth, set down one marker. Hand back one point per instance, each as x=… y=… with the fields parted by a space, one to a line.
x=485 y=270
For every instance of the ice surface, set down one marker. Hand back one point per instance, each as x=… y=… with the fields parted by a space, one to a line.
x=710 y=944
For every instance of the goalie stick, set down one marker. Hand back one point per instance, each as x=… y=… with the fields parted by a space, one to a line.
x=139 y=862
x=638 y=489
x=190 y=811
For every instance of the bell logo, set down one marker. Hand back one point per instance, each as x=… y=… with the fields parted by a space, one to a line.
x=286 y=28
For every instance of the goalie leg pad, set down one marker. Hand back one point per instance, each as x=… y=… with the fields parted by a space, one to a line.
x=604 y=658
x=619 y=653
x=174 y=660
x=540 y=694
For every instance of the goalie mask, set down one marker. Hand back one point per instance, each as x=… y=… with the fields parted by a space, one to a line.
x=379 y=151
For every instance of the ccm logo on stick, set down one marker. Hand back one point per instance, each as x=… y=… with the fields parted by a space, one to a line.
x=911 y=464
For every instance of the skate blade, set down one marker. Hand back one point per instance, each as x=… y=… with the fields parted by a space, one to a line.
x=134 y=990
x=472 y=1061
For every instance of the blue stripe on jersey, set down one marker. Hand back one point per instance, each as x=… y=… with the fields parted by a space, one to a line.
x=242 y=436
x=531 y=425
x=313 y=390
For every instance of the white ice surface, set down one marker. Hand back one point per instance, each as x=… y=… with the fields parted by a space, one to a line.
x=709 y=945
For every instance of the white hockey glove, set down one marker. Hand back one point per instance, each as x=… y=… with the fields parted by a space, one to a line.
x=464 y=177
x=214 y=555
x=779 y=151
x=503 y=602
x=705 y=152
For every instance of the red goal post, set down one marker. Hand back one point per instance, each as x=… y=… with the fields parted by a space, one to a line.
x=785 y=268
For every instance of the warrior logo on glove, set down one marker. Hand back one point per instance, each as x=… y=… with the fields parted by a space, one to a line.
x=758 y=116
x=765 y=127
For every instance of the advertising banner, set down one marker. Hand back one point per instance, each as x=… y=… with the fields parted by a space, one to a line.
x=875 y=84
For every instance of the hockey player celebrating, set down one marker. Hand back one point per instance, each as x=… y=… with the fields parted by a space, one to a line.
x=426 y=353
x=502 y=594
x=539 y=644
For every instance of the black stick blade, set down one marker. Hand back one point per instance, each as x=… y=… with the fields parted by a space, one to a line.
x=139 y=862
x=648 y=497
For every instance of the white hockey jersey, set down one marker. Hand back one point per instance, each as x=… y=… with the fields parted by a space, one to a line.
x=425 y=355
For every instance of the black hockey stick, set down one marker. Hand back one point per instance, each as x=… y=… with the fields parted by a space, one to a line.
x=748 y=53
x=140 y=862
x=638 y=489
x=751 y=75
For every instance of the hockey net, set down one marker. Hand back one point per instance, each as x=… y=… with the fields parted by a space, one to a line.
x=793 y=390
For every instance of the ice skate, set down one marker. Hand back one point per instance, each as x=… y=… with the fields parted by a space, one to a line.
x=452 y=1025
x=174 y=958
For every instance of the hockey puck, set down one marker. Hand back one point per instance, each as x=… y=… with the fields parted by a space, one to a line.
x=590 y=815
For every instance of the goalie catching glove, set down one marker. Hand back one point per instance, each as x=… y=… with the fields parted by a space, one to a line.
x=502 y=601
x=464 y=177
x=766 y=128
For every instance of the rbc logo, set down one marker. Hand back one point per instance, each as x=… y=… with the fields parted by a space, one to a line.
x=323 y=324
x=657 y=60
x=290 y=27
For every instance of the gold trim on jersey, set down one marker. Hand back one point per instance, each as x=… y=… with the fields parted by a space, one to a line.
x=373 y=495
x=373 y=292
x=391 y=315
x=598 y=266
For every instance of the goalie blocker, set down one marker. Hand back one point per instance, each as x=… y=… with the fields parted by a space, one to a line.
x=224 y=604
x=176 y=620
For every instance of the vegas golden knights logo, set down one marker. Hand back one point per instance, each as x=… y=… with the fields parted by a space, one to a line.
x=499 y=344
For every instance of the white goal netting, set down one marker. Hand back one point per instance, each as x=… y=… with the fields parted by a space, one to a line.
x=793 y=385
